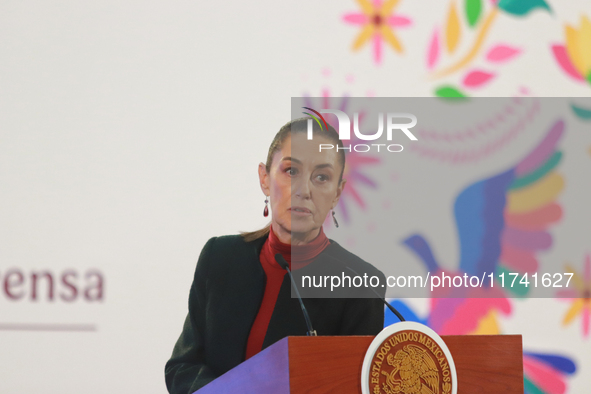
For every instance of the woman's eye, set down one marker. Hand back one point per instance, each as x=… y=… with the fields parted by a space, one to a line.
x=291 y=171
x=322 y=177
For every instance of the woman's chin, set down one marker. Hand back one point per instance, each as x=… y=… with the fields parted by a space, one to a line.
x=301 y=230
x=298 y=227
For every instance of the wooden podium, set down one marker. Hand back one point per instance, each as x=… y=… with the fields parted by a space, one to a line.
x=484 y=363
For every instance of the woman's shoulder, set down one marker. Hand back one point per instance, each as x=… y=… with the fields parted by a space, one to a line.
x=226 y=240
x=230 y=245
x=231 y=242
x=220 y=253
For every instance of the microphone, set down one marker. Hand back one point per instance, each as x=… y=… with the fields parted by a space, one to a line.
x=281 y=261
x=394 y=311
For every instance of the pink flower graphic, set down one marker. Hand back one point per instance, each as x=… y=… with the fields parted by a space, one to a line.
x=356 y=162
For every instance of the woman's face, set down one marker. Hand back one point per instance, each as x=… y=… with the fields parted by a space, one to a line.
x=303 y=185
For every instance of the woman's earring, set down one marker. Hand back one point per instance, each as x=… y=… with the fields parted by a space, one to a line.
x=336 y=224
x=266 y=210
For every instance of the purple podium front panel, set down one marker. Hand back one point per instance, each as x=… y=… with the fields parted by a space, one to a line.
x=266 y=372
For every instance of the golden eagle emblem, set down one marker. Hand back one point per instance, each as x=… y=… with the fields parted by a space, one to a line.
x=414 y=372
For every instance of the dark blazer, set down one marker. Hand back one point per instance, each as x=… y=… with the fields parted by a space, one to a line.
x=225 y=297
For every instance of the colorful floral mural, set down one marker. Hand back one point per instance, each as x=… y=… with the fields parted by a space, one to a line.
x=507 y=221
x=503 y=220
x=471 y=27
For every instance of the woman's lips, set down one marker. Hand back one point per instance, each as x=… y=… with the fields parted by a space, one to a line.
x=300 y=211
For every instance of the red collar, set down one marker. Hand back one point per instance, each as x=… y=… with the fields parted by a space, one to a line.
x=301 y=255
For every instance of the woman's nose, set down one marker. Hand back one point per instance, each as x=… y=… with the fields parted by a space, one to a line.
x=301 y=188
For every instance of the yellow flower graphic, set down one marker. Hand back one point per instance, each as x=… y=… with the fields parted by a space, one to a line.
x=377 y=20
x=581 y=301
x=575 y=56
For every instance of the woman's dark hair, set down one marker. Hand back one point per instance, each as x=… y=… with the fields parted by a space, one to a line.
x=299 y=125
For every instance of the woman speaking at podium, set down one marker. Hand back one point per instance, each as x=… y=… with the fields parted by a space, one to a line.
x=240 y=301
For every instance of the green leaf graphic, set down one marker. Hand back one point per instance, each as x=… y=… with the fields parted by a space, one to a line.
x=518 y=290
x=582 y=113
x=530 y=387
x=522 y=7
x=473 y=11
x=450 y=92
x=537 y=174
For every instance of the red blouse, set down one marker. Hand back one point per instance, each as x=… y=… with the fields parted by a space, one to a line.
x=302 y=255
